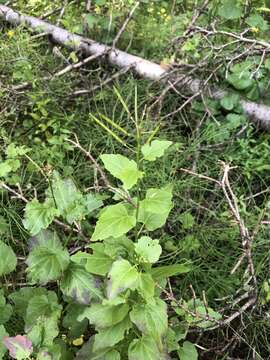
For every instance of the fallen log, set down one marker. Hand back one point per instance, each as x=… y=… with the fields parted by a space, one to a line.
x=257 y=113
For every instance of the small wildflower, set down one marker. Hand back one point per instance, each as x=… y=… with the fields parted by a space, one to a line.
x=10 y=33
x=78 y=342
x=163 y=11
x=254 y=29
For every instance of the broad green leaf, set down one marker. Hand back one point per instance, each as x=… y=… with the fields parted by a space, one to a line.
x=155 y=150
x=70 y=321
x=38 y=215
x=8 y=261
x=148 y=250
x=3 y=334
x=92 y=202
x=119 y=247
x=158 y=201
x=110 y=336
x=122 y=168
x=146 y=286
x=229 y=101
x=151 y=319
x=44 y=331
x=112 y=355
x=235 y=120
x=122 y=276
x=99 y=262
x=241 y=80
x=69 y=200
x=162 y=272
x=5 y=309
x=114 y=221
x=13 y=151
x=257 y=21
x=47 y=260
x=45 y=305
x=5 y=168
x=79 y=285
x=150 y=220
x=21 y=298
x=230 y=10
x=188 y=351
x=103 y=316
x=145 y=348
x=19 y=347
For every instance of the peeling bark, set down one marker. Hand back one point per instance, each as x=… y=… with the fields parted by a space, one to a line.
x=258 y=113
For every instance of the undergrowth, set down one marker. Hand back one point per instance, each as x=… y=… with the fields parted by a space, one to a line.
x=49 y=139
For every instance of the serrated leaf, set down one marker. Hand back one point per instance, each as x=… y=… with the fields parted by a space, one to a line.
x=3 y=334
x=122 y=276
x=99 y=262
x=256 y=20
x=69 y=200
x=92 y=202
x=155 y=150
x=47 y=260
x=8 y=261
x=19 y=347
x=103 y=316
x=230 y=10
x=45 y=305
x=13 y=151
x=79 y=285
x=150 y=220
x=114 y=221
x=144 y=348
x=158 y=201
x=229 y=101
x=146 y=286
x=38 y=215
x=235 y=120
x=122 y=168
x=148 y=250
x=44 y=331
x=162 y=272
x=5 y=168
x=188 y=351
x=21 y=298
x=5 y=309
x=241 y=80
x=151 y=319
x=110 y=336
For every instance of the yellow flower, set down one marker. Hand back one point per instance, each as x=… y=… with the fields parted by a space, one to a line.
x=78 y=342
x=163 y=11
x=10 y=33
x=254 y=29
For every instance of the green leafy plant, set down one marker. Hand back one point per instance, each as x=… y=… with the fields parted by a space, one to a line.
x=114 y=287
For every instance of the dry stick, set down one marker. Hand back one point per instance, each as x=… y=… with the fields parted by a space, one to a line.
x=258 y=113
x=123 y=27
x=84 y=61
x=59 y=73
x=105 y=82
x=232 y=202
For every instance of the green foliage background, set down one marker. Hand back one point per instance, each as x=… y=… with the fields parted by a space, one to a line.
x=49 y=276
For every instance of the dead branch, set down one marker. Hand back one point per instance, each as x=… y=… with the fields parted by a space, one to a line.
x=258 y=113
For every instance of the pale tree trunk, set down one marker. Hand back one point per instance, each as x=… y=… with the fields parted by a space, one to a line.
x=258 y=113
